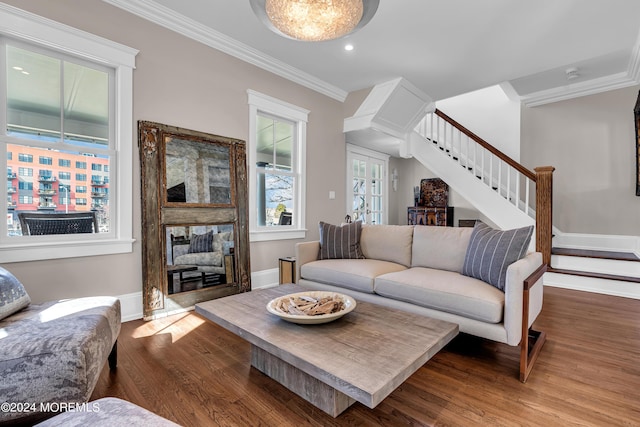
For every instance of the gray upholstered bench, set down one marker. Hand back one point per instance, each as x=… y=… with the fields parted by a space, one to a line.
x=108 y=412
x=52 y=352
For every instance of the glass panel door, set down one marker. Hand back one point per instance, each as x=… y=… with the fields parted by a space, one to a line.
x=367 y=191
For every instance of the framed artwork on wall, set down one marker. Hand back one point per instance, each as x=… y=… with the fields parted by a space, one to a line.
x=636 y=116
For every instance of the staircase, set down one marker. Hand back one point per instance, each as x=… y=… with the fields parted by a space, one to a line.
x=503 y=190
x=398 y=119
x=599 y=271
x=496 y=185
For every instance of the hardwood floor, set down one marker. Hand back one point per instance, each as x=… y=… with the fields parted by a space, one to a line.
x=588 y=374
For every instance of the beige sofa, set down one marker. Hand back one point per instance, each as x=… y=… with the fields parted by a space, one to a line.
x=418 y=269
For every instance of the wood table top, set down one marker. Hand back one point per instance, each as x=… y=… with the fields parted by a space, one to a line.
x=365 y=354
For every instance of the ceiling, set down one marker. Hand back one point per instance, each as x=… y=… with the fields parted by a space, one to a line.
x=445 y=48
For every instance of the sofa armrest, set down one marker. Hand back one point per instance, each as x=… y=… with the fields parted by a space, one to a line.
x=306 y=252
x=517 y=273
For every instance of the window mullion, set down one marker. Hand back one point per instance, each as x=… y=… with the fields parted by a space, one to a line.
x=61 y=101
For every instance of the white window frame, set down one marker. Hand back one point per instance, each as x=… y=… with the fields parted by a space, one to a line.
x=46 y=34
x=260 y=103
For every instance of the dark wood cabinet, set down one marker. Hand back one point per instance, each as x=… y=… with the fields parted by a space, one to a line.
x=432 y=205
x=420 y=215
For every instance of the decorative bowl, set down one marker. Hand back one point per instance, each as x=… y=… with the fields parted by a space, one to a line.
x=349 y=305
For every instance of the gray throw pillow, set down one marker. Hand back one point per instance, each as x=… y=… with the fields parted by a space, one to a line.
x=340 y=242
x=13 y=296
x=491 y=252
x=201 y=243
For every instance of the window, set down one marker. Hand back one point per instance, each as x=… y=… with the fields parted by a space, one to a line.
x=9 y=155
x=81 y=177
x=96 y=167
x=27 y=158
x=62 y=105
x=25 y=172
x=81 y=165
x=81 y=188
x=81 y=201
x=277 y=143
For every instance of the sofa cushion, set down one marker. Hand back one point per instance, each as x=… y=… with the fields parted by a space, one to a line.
x=387 y=243
x=356 y=274
x=213 y=259
x=219 y=240
x=444 y=291
x=201 y=243
x=340 y=241
x=13 y=296
x=491 y=252
x=443 y=248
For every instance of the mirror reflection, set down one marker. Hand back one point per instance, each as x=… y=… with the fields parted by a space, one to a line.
x=196 y=172
x=199 y=256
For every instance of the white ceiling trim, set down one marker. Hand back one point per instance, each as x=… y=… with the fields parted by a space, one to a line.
x=187 y=27
x=590 y=87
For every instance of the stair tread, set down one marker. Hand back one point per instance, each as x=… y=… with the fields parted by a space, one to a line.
x=594 y=275
x=588 y=253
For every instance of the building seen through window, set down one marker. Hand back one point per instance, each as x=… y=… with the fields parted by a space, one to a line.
x=58 y=124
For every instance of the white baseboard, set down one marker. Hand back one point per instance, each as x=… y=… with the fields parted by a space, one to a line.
x=590 y=284
x=132 y=303
x=265 y=278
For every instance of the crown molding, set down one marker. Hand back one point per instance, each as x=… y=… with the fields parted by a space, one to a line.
x=165 y=17
x=589 y=87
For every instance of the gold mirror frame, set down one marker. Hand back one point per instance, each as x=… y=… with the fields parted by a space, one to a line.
x=159 y=214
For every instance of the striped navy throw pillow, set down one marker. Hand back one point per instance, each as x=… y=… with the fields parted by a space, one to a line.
x=491 y=252
x=201 y=243
x=340 y=242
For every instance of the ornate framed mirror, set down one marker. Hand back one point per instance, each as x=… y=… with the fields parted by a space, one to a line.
x=195 y=239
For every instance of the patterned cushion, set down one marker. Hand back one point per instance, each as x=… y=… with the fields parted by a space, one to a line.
x=340 y=242
x=108 y=411
x=13 y=296
x=219 y=239
x=491 y=252
x=201 y=243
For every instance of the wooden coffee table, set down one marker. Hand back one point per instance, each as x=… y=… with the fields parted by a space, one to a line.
x=362 y=357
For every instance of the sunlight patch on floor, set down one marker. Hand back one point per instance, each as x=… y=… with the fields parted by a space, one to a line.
x=177 y=326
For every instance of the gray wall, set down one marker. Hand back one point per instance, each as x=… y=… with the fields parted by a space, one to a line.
x=180 y=82
x=591 y=142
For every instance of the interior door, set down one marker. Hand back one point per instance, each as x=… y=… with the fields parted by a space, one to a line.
x=367 y=190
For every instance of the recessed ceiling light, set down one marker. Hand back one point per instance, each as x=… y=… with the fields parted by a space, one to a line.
x=25 y=72
x=348 y=47
x=17 y=68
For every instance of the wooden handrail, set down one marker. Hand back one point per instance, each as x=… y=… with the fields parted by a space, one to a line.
x=524 y=171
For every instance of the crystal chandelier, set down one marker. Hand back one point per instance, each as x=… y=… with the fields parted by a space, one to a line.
x=314 y=20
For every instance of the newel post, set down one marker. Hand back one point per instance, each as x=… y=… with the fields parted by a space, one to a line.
x=544 y=211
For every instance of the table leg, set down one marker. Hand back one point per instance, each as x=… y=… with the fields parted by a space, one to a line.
x=311 y=389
